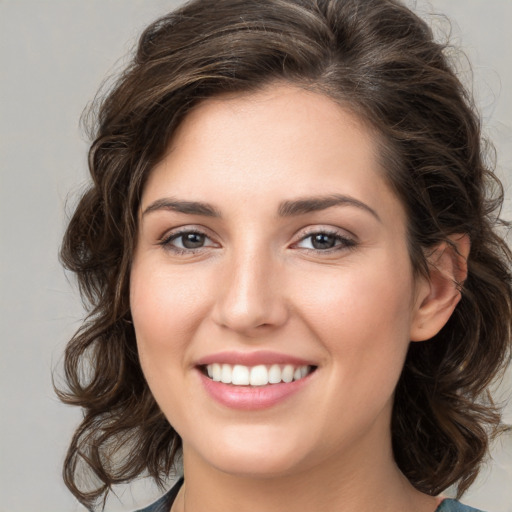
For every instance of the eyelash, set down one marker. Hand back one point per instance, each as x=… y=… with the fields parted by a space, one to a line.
x=166 y=242
x=341 y=242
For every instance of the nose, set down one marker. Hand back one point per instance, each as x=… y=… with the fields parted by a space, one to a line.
x=250 y=297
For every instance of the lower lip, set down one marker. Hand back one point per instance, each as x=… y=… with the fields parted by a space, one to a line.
x=251 y=397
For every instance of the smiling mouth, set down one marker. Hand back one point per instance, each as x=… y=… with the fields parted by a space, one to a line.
x=259 y=375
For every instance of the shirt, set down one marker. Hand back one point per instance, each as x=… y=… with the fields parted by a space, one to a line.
x=165 y=502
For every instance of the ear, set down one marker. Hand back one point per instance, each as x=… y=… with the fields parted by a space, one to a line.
x=439 y=293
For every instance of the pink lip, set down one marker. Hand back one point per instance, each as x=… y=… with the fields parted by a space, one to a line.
x=251 y=397
x=252 y=358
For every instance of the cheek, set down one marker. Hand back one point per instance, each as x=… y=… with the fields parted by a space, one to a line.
x=374 y=298
x=363 y=318
x=164 y=310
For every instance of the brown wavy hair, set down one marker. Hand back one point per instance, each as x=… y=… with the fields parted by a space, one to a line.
x=381 y=61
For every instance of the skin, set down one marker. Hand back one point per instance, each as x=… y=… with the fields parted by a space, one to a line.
x=258 y=283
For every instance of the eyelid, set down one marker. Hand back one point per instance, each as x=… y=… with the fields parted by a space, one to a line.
x=172 y=234
x=345 y=239
x=325 y=228
x=349 y=240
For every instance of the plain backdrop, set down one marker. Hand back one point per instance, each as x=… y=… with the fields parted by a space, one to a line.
x=54 y=54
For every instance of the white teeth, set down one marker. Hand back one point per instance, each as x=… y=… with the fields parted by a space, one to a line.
x=274 y=374
x=226 y=374
x=240 y=375
x=260 y=375
x=287 y=375
x=216 y=371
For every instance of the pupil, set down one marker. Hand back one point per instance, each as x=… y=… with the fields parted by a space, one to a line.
x=193 y=240
x=323 y=241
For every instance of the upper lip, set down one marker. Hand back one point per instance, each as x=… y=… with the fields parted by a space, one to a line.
x=252 y=358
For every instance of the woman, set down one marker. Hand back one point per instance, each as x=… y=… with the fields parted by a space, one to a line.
x=290 y=254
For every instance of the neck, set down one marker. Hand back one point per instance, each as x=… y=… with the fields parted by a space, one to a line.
x=368 y=481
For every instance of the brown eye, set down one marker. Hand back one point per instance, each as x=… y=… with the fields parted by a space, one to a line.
x=187 y=241
x=323 y=241
x=192 y=240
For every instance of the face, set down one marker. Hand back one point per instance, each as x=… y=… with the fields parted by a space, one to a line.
x=271 y=290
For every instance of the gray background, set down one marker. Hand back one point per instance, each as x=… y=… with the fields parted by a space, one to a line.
x=53 y=56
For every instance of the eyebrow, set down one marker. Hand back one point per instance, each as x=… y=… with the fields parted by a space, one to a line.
x=314 y=204
x=189 y=207
x=286 y=209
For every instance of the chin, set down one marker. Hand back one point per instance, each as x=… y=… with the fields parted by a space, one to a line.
x=257 y=466
x=255 y=453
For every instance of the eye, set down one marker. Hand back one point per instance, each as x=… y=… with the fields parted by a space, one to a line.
x=325 y=241
x=190 y=240
x=185 y=241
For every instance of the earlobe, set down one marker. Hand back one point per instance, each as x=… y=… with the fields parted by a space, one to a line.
x=439 y=293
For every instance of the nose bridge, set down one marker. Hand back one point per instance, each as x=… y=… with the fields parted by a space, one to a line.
x=251 y=296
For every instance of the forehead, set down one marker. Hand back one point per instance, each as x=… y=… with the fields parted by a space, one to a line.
x=287 y=114
x=275 y=144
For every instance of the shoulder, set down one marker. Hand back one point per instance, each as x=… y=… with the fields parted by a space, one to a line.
x=165 y=502
x=449 y=505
